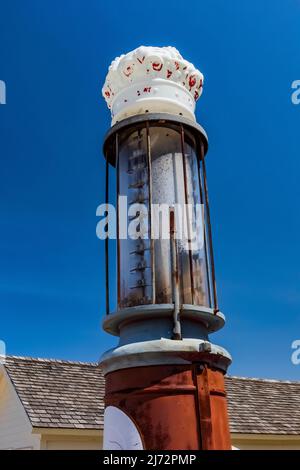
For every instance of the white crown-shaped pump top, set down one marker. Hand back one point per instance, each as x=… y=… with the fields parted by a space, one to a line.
x=152 y=80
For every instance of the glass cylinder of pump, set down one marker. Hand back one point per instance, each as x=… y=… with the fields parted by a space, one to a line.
x=159 y=166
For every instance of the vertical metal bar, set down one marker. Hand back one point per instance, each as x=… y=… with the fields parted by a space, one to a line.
x=118 y=221
x=106 y=239
x=150 y=214
x=204 y=400
x=216 y=308
x=175 y=280
x=204 y=232
x=187 y=212
x=195 y=368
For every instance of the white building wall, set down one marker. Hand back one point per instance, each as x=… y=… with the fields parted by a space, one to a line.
x=71 y=443
x=15 y=428
x=265 y=442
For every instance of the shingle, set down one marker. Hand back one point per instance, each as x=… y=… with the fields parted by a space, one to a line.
x=58 y=393
x=64 y=394
x=260 y=406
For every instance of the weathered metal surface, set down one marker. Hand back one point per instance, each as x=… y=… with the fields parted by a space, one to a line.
x=157 y=119
x=172 y=390
x=164 y=351
x=151 y=231
x=166 y=403
x=203 y=315
x=219 y=412
x=175 y=281
x=186 y=200
x=155 y=158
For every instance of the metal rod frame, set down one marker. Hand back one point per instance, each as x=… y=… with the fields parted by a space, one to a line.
x=187 y=212
x=118 y=222
x=149 y=163
x=204 y=233
x=211 y=252
x=175 y=279
x=107 y=239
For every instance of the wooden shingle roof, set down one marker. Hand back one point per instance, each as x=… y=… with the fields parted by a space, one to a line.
x=59 y=394
x=261 y=406
x=65 y=394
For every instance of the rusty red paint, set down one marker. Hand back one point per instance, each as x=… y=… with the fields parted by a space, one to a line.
x=196 y=95
x=169 y=73
x=177 y=65
x=147 y=89
x=179 y=407
x=107 y=94
x=141 y=60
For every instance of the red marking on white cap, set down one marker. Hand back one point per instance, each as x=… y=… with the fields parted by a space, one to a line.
x=157 y=66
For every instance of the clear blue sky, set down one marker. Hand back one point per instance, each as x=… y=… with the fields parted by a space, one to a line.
x=54 y=56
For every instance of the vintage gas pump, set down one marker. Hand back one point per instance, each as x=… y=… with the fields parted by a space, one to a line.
x=165 y=379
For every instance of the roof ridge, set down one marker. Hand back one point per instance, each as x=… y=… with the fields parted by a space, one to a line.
x=50 y=360
x=257 y=379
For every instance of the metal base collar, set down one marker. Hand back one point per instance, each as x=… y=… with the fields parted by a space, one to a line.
x=165 y=351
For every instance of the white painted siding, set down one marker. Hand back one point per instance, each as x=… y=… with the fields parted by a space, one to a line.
x=71 y=443
x=265 y=442
x=15 y=428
